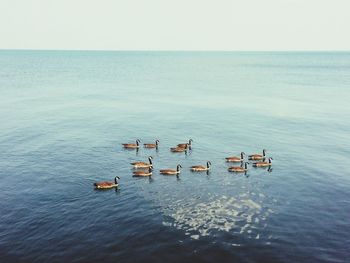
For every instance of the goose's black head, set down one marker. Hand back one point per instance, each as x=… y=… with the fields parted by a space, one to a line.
x=116 y=179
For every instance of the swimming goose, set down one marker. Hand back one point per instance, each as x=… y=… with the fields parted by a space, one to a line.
x=143 y=164
x=200 y=168
x=263 y=164
x=151 y=145
x=171 y=171
x=257 y=156
x=185 y=145
x=239 y=169
x=132 y=145
x=178 y=149
x=107 y=185
x=143 y=173
x=235 y=159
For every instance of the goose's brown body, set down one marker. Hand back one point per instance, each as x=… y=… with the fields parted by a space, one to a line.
x=143 y=173
x=171 y=171
x=168 y=172
x=143 y=164
x=132 y=145
x=139 y=163
x=178 y=149
x=151 y=145
x=185 y=145
x=257 y=157
x=263 y=164
x=233 y=159
x=106 y=184
x=239 y=169
x=200 y=168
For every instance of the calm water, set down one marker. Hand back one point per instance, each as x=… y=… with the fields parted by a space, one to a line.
x=64 y=116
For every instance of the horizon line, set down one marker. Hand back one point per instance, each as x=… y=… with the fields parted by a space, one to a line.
x=175 y=50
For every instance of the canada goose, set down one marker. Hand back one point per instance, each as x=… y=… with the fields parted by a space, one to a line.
x=257 y=156
x=171 y=171
x=143 y=173
x=185 y=145
x=200 y=168
x=263 y=164
x=178 y=149
x=132 y=145
x=239 y=169
x=151 y=145
x=107 y=185
x=143 y=164
x=235 y=159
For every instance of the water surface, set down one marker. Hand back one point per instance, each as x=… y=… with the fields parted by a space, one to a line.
x=64 y=116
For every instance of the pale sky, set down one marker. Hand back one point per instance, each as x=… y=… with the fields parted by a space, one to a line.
x=175 y=25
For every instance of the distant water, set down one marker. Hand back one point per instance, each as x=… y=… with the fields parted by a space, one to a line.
x=64 y=116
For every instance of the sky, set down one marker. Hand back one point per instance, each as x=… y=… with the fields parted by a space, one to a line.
x=175 y=25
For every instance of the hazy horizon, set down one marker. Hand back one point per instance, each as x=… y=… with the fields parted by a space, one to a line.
x=174 y=50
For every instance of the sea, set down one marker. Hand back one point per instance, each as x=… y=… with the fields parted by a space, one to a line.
x=65 y=114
